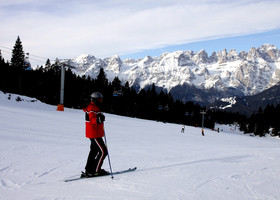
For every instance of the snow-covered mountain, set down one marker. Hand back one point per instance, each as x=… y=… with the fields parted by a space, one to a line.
x=248 y=105
x=192 y=76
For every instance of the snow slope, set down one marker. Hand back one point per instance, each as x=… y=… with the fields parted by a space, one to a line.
x=40 y=147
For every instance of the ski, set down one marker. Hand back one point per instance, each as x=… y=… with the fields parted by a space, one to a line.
x=114 y=173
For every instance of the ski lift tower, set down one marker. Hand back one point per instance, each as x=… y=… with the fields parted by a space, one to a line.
x=203 y=113
x=60 y=106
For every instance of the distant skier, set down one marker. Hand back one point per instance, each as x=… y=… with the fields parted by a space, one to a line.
x=95 y=131
x=183 y=129
x=202 y=132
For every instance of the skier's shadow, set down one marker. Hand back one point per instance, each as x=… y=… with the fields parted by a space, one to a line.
x=222 y=159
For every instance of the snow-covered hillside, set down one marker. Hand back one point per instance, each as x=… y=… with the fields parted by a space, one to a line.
x=224 y=74
x=40 y=147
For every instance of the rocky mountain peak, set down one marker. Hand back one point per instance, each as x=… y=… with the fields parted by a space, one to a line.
x=201 y=57
x=114 y=63
x=222 y=56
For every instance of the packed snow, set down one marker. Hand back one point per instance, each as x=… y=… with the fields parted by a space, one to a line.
x=41 y=147
x=230 y=100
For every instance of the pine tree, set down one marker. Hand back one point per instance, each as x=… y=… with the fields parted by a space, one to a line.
x=48 y=63
x=2 y=61
x=17 y=59
x=101 y=81
x=116 y=83
x=101 y=78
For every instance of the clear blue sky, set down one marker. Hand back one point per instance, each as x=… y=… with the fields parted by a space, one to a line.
x=239 y=43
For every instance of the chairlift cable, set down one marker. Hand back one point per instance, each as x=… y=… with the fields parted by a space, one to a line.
x=38 y=58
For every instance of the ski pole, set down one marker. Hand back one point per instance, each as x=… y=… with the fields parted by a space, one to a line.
x=108 y=156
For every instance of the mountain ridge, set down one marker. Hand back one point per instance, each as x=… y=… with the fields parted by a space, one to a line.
x=248 y=105
x=192 y=76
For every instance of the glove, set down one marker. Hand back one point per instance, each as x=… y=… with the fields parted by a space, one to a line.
x=100 y=118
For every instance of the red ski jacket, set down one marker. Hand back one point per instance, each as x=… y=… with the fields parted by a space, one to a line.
x=93 y=130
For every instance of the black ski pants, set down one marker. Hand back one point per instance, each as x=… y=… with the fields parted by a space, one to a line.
x=97 y=154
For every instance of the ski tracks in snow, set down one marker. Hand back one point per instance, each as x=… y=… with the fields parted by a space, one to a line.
x=7 y=183
x=253 y=181
x=245 y=185
x=13 y=178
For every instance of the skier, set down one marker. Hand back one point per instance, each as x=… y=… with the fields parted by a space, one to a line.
x=183 y=129
x=95 y=131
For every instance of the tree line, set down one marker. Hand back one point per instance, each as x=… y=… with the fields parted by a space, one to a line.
x=121 y=99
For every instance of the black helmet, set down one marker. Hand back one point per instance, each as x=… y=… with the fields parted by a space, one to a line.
x=96 y=95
